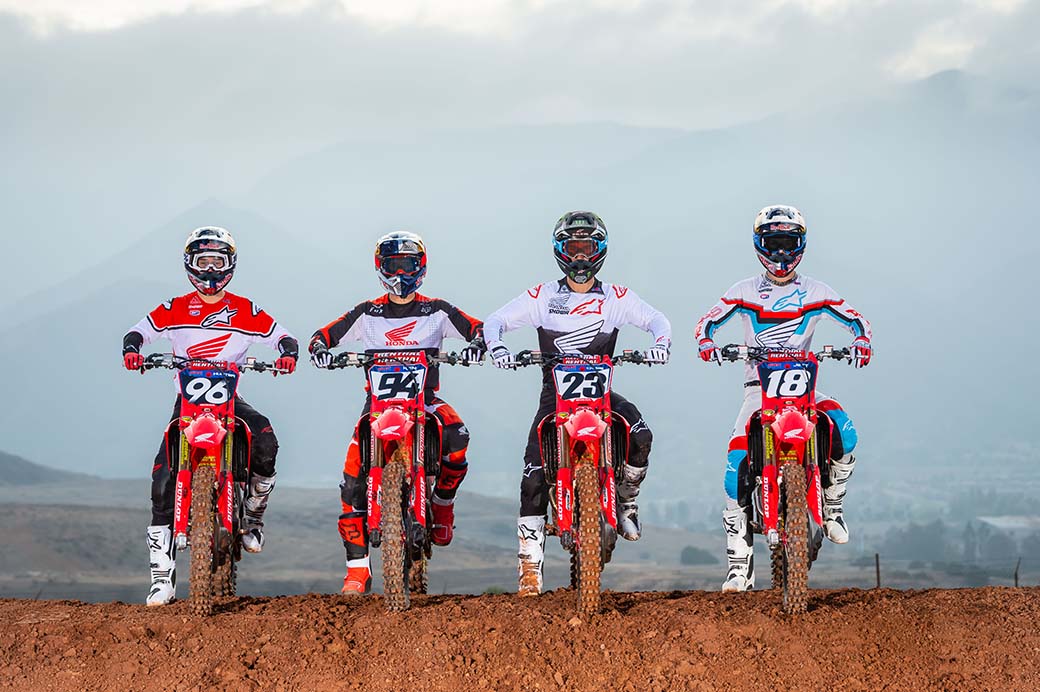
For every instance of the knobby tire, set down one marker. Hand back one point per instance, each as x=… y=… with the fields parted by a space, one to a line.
x=796 y=546
x=202 y=581
x=395 y=586
x=586 y=481
x=418 y=577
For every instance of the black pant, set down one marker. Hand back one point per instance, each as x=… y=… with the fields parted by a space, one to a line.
x=164 y=476
x=534 y=496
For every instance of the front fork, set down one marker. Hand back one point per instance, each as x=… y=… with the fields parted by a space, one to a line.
x=221 y=459
x=600 y=454
x=416 y=476
x=771 y=484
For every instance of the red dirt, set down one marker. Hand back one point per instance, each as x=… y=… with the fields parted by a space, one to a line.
x=970 y=639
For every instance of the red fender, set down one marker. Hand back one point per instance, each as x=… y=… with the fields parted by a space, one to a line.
x=791 y=427
x=205 y=432
x=585 y=425
x=392 y=424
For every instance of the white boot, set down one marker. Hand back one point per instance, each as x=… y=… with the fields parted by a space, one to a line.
x=833 y=496
x=161 y=553
x=531 y=532
x=260 y=488
x=628 y=511
x=741 y=557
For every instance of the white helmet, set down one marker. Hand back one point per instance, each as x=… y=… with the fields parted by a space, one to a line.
x=779 y=238
x=209 y=259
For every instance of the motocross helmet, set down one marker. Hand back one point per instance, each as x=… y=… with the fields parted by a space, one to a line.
x=209 y=259
x=401 y=262
x=580 y=245
x=779 y=238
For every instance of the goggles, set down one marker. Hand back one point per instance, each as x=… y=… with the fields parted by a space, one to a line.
x=782 y=242
x=575 y=247
x=208 y=261
x=400 y=264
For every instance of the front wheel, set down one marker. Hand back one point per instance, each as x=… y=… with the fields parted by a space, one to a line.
x=395 y=587
x=796 y=539
x=586 y=481
x=203 y=526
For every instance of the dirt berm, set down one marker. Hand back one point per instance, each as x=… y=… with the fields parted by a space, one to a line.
x=970 y=639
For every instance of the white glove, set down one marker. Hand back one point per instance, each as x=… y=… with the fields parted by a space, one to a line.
x=321 y=357
x=658 y=353
x=502 y=358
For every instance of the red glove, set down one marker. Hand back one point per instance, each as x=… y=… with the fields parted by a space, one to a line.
x=133 y=361
x=709 y=351
x=861 y=352
x=286 y=363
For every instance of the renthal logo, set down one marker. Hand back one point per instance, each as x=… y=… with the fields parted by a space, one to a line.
x=399 y=336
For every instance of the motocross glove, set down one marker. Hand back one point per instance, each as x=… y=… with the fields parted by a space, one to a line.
x=502 y=358
x=861 y=352
x=658 y=353
x=133 y=361
x=320 y=356
x=286 y=363
x=709 y=351
x=474 y=352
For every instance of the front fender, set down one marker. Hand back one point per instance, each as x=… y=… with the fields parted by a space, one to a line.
x=585 y=425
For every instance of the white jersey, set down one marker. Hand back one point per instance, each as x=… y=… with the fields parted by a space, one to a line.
x=570 y=322
x=780 y=316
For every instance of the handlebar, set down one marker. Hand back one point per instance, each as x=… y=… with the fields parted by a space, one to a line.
x=735 y=352
x=174 y=362
x=352 y=359
x=527 y=357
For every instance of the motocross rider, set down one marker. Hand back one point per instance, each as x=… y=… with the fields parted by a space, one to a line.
x=210 y=323
x=400 y=320
x=576 y=314
x=780 y=308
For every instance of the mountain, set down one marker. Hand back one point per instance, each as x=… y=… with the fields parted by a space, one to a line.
x=17 y=472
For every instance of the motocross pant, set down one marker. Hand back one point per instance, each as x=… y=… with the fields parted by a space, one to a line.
x=843 y=440
x=353 y=527
x=534 y=491
x=262 y=454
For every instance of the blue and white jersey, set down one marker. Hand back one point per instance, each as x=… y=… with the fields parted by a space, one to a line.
x=780 y=316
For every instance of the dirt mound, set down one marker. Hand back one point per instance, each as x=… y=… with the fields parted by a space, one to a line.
x=971 y=639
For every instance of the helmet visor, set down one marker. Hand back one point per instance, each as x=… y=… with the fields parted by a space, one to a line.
x=399 y=246
x=783 y=242
x=400 y=264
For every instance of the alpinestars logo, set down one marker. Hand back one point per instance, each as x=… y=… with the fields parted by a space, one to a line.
x=578 y=339
x=399 y=335
x=222 y=317
x=210 y=348
x=589 y=307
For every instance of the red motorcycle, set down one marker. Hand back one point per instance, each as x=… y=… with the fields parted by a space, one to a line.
x=583 y=448
x=401 y=449
x=785 y=439
x=212 y=472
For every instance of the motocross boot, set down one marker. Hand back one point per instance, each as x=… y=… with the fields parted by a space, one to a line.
x=833 y=496
x=531 y=531
x=741 y=574
x=628 y=511
x=260 y=488
x=358 y=581
x=443 y=520
x=161 y=552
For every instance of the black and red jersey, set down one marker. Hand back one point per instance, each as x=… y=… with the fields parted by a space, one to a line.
x=382 y=325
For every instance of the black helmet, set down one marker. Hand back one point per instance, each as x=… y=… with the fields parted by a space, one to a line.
x=580 y=244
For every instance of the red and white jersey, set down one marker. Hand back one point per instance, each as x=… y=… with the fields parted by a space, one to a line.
x=570 y=322
x=221 y=331
x=780 y=316
x=382 y=325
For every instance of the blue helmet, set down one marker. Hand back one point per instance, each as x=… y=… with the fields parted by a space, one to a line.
x=401 y=262
x=580 y=244
x=779 y=238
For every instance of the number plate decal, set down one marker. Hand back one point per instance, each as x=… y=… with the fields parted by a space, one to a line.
x=787 y=380
x=208 y=387
x=582 y=382
x=396 y=382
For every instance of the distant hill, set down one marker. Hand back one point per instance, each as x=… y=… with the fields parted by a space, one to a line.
x=16 y=471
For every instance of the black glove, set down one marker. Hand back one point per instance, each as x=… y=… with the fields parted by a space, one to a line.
x=474 y=352
x=320 y=355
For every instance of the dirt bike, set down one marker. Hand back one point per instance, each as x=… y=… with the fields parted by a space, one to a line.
x=583 y=448
x=784 y=453
x=212 y=472
x=401 y=455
